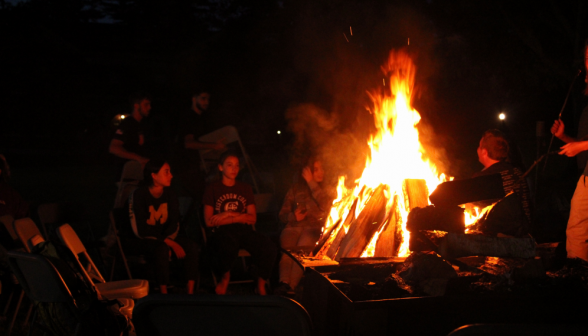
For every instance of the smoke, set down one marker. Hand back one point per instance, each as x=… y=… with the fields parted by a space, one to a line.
x=318 y=132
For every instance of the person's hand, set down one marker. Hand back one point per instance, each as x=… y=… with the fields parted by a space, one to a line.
x=178 y=250
x=216 y=219
x=558 y=128
x=573 y=148
x=300 y=214
x=307 y=174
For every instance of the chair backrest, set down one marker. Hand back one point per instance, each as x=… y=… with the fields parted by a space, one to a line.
x=39 y=278
x=7 y=221
x=26 y=229
x=179 y=315
x=132 y=171
x=228 y=135
x=69 y=238
x=130 y=178
x=58 y=213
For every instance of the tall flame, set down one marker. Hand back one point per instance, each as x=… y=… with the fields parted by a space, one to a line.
x=396 y=153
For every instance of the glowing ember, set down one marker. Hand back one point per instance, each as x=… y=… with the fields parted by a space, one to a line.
x=396 y=154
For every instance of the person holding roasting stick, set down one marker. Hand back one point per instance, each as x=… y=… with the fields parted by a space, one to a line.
x=577 y=227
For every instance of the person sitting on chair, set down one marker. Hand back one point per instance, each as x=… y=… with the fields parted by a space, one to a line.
x=155 y=214
x=304 y=211
x=229 y=208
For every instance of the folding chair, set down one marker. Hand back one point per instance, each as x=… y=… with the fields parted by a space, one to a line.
x=227 y=135
x=11 y=242
x=242 y=254
x=52 y=215
x=8 y=223
x=133 y=289
x=116 y=218
x=29 y=235
x=186 y=315
x=130 y=178
x=40 y=280
x=43 y=283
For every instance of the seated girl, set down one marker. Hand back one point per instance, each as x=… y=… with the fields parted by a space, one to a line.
x=229 y=208
x=155 y=215
x=305 y=210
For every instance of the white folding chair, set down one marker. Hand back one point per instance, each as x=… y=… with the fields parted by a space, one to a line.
x=132 y=289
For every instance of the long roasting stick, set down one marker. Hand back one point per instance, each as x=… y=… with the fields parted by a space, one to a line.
x=560 y=112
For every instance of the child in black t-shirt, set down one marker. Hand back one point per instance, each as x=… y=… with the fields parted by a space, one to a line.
x=229 y=208
x=155 y=214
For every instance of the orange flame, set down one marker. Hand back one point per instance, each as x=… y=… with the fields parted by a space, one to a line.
x=395 y=152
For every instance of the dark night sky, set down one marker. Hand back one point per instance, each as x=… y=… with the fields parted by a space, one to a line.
x=65 y=74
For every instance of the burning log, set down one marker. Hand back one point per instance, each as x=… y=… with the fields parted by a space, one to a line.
x=456 y=245
x=453 y=193
x=416 y=192
x=331 y=245
x=386 y=246
x=365 y=226
x=325 y=237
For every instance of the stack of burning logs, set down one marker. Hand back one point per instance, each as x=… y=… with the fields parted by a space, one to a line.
x=438 y=239
x=425 y=223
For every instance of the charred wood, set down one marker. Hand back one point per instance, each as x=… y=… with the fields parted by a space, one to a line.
x=325 y=237
x=331 y=246
x=365 y=226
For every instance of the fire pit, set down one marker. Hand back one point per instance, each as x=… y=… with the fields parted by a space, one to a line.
x=339 y=307
x=381 y=268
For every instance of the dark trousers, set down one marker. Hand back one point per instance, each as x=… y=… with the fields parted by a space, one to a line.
x=226 y=241
x=157 y=253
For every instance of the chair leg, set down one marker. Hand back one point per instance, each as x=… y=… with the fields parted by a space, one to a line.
x=28 y=314
x=32 y=326
x=15 y=313
x=112 y=268
x=8 y=303
x=244 y=264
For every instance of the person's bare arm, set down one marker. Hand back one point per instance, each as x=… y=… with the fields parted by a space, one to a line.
x=229 y=217
x=574 y=148
x=558 y=129
x=116 y=148
x=191 y=143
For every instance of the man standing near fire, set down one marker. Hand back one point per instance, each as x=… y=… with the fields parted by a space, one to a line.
x=577 y=228
x=193 y=124
x=493 y=155
x=128 y=142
